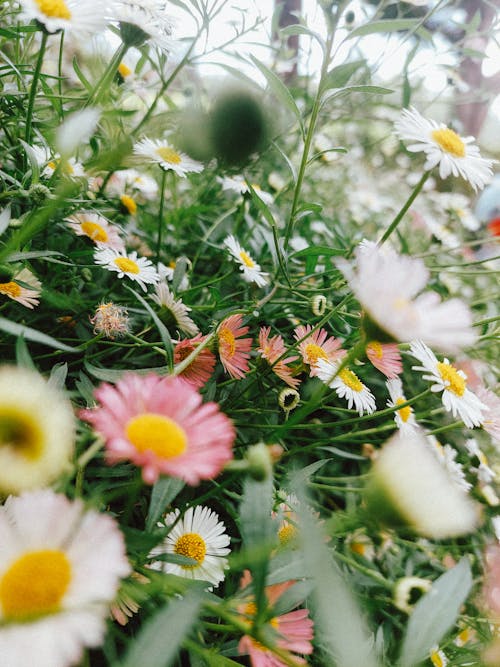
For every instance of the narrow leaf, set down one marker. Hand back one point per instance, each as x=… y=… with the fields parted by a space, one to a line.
x=387 y=25
x=164 y=492
x=338 y=76
x=34 y=335
x=58 y=375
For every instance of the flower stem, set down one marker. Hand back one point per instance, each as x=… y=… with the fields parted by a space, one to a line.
x=160 y=213
x=34 y=86
x=107 y=75
x=407 y=205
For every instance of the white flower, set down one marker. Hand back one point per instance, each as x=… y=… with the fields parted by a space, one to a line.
x=404 y=590
x=96 y=228
x=160 y=151
x=37 y=430
x=438 y=658
x=60 y=568
x=454 y=154
x=484 y=473
x=136 y=268
x=144 y=20
x=69 y=15
x=447 y=455
x=387 y=284
x=239 y=185
x=143 y=184
x=198 y=535
x=178 y=310
x=17 y=291
x=69 y=168
x=456 y=398
x=347 y=385
x=404 y=417
x=252 y=272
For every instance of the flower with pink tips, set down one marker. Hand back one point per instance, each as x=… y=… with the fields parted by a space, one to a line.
x=234 y=351
x=385 y=357
x=314 y=345
x=294 y=629
x=273 y=350
x=160 y=424
x=199 y=371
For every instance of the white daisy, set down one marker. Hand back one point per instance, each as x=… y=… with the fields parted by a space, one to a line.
x=252 y=272
x=438 y=658
x=454 y=154
x=176 y=308
x=404 y=417
x=160 y=151
x=387 y=284
x=198 y=535
x=136 y=268
x=457 y=399
x=25 y=288
x=239 y=185
x=69 y=15
x=446 y=456
x=96 y=228
x=132 y=179
x=60 y=568
x=144 y=21
x=347 y=385
x=37 y=430
x=483 y=471
x=70 y=168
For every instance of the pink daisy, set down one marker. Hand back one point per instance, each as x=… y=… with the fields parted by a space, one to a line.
x=201 y=368
x=385 y=357
x=272 y=349
x=294 y=630
x=160 y=424
x=234 y=351
x=316 y=345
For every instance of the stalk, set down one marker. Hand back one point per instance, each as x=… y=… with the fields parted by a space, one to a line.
x=34 y=86
x=407 y=205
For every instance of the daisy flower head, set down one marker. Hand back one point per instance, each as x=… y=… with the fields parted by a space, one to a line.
x=240 y=186
x=388 y=287
x=292 y=631
x=50 y=606
x=144 y=21
x=455 y=155
x=385 y=357
x=273 y=350
x=457 y=399
x=138 y=269
x=234 y=351
x=314 y=345
x=483 y=471
x=162 y=153
x=97 y=229
x=491 y=421
x=438 y=657
x=252 y=272
x=25 y=288
x=70 y=15
x=110 y=320
x=200 y=370
x=198 y=535
x=447 y=457
x=173 y=310
x=346 y=385
x=161 y=425
x=404 y=417
x=37 y=430
x=286 y=516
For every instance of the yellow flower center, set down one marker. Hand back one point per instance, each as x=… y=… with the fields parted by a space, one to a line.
x=161 y=435
x=449 y=141
x=228 y=341
x=129 y=204
x=313 y=352
x=124 y=71
x=10 y=289
x=94 y=231
x=21 y=433
x=126 y=265
x=287 y=533
x=405 y=412
x=56 y=9
x=437 y=660
x=450 y=375
x=192 y=546
x=376 y=348
x=168 y=155
x=358 y=548
x=351 y=380
x=246 y=259
x=35 y=584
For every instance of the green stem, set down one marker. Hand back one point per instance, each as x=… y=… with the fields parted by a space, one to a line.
x=160 y=214
x=191 y=357
x=107 y=75
x=59 y=72
x=402 y=212
x=34 y=86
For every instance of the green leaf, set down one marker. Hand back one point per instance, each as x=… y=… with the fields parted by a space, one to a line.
x=386 y=25
x=298 y=29
x=435 y=613
x=164 y=492
x=33 y=334
x=83 y=79
x=318 y=250
x=159 y=641
x=58 y=375
x=23 y=356
x=338 y=76
x=213 y=658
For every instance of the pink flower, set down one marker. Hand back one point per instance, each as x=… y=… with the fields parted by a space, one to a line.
x=234 y=351
x=316 y=345
x=491 y=421
x=294 y=630
x=491 y=590
x=201 y=368
x=272 y=349
x=385 y=357
x=160 y=424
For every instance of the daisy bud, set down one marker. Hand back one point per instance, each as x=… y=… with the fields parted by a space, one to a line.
x=318 y=304
x=260 y=465
x=110 y=320
x=38 y=193
x=408 y=591
x=288 y=399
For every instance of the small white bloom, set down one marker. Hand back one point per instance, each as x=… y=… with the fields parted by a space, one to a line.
x=252 y=272
x=160 y=151
x=25 y=288
x=405 y=587
x=404 y=417
x=456 y=398
x=136 y=268
x=69 y=15
x=178 y=310
x=147 y=16
x=125 y=179
x=484 y=473
x=198 y=535
x=447 y=455
x=97 y=228
x=346 y=385
x=239 y=185
x=438 y=658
